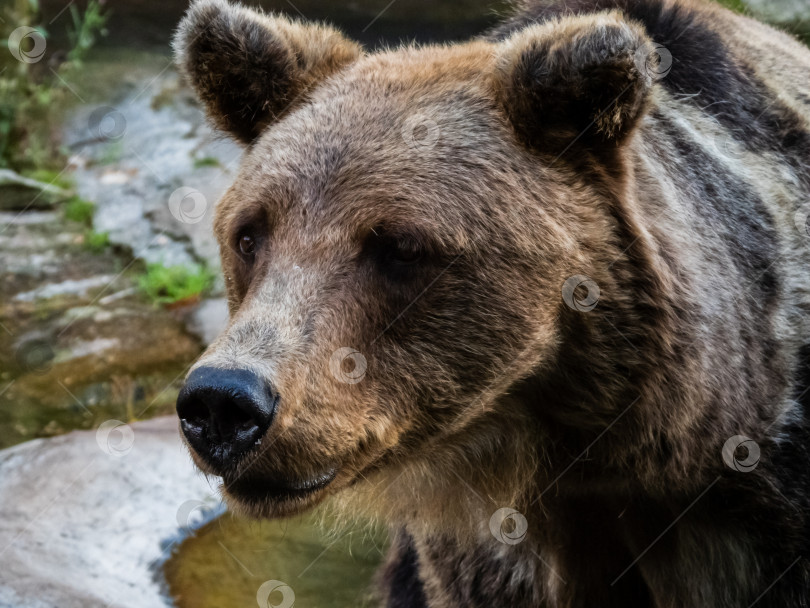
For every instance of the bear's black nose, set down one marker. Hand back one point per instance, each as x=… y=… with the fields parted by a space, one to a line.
x=224 y=412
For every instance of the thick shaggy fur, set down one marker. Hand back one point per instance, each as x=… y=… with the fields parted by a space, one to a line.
x=553 y=152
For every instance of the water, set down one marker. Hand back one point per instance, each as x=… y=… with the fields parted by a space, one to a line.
x=229 y=560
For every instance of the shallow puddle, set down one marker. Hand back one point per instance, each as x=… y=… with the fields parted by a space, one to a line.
x=227 y=563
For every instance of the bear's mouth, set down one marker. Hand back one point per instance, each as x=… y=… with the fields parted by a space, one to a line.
x=254 y=490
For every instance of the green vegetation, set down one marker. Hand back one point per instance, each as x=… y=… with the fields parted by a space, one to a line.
x=85 y=29
x=206 y=161
x=735 y=5
x=48 y=176
x=96 y=242
x=77 y=209
x=166 y=285
x=33 y=89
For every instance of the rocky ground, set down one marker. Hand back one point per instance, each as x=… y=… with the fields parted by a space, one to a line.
x=78 y=336
x=87 y=518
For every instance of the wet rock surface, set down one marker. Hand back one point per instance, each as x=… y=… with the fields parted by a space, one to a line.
x=154 y=169
x=88 y=518
x=78 y=341
x=22 y=193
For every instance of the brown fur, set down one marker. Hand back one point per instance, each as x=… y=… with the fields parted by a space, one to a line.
x=554 y=154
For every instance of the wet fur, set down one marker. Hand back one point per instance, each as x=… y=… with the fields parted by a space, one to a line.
x=484 y=389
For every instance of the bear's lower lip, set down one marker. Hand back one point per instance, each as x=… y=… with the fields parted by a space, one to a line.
x=255 y=488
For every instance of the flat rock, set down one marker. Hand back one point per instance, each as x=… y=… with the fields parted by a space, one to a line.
x=21 y=193
x=87 y=519
x=156 y=178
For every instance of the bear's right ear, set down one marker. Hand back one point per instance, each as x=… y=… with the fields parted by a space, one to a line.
x=248 y=68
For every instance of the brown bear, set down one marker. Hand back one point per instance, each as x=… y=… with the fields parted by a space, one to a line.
x=539 y=301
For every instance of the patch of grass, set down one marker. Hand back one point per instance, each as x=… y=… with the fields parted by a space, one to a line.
x=735 y=5
x=96 y=242
x=48 y=176
x=79 y=210
x=206 y=161
x=165 y=285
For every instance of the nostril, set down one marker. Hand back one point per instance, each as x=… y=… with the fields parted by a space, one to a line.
x=234 y=422
x=193 y=411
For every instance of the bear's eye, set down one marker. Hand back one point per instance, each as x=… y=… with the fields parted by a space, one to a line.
x=401 y=251
x=395 y=254
x=247 y=245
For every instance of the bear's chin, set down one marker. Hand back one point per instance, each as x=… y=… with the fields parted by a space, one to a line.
x=264 y=498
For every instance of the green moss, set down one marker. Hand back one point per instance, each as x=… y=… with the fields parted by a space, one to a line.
x=96 y=241
x=206 y=161
x=79 y=210
x=60 y=179
x=735 y=5
x=164 y=285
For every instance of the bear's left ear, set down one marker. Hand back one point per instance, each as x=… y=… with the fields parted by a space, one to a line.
x=582 y=79
x=249 y=68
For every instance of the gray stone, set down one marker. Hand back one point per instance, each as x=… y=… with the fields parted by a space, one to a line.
x=209 y=319
x=156 y=177
x=75 y=288
x=88 y=518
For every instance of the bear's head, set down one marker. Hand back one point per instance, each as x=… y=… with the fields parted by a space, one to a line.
x=397 y=246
